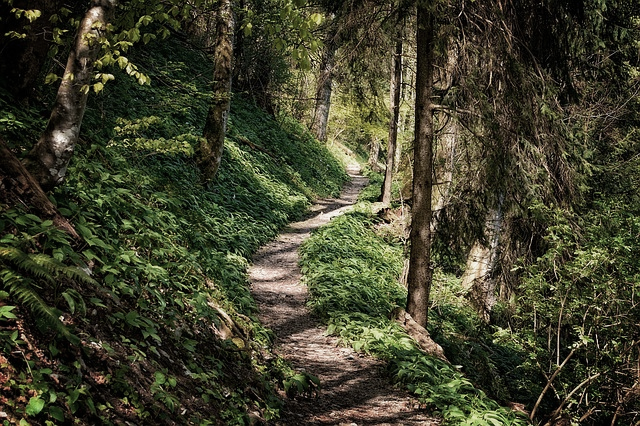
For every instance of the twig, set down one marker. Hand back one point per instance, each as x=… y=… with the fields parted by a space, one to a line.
x=546 y=388
x=557 y=410
x=257 y=147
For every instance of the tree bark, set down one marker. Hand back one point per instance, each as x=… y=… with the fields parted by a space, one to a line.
x=374 y=153
x=394 y=104
x=478 y=278
x=18 y=187
x=420 y=272
x=215 y=128
x=323 y=90
x=49 y=158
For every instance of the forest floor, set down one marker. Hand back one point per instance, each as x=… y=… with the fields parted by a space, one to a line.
x=353 y=388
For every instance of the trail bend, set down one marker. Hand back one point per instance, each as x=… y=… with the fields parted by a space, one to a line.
x=354 y=391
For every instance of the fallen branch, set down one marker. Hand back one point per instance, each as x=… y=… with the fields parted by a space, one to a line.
x=18 y=186
x=257 y=147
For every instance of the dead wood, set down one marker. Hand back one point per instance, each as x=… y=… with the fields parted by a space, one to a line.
x=19 y=187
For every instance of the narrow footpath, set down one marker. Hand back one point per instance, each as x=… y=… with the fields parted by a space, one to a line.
x=354 y=392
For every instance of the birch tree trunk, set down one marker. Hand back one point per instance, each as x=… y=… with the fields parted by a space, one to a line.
x=49 y=158
x=479 y=279
x=215 y=128
x=396 y=86
x=420 y=272
x=323 y=90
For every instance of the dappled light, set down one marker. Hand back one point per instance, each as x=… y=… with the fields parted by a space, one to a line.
x=328 y=212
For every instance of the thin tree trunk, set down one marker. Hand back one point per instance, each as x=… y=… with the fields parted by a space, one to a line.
x=396 y=86
x=374 y=153
x=420 y=272
x=323 y=90
x=18 y=187
x=215 y=128
x=49 y=158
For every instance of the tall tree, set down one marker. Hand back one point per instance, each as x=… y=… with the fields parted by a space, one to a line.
x=394 y=105
x=420 y=272
x=215 y=127
x=49 y=158
x=324 y=86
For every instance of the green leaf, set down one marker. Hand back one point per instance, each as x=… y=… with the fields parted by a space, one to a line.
x=73 y=396
x=70 y=302
x=316 y=18
x=56 y=413
x=247 y=29
x=84 y=231
x=160 y=377
x=5 y=311
x=34 y=407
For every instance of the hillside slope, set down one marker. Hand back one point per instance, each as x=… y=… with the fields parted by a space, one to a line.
x=148 y=319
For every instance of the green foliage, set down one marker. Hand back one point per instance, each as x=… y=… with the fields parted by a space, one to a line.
x=350 y=269
x=581 y=293
x=302 y=384
x=371 y=192
x=358 y=122
x=352 y=277
x=26 y=274
x=167 y=258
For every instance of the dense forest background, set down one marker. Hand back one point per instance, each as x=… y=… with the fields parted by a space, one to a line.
x=149 y=148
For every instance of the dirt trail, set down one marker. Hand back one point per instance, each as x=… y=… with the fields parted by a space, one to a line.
x=354 y=391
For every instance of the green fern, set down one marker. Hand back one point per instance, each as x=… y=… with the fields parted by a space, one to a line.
x=21 y=272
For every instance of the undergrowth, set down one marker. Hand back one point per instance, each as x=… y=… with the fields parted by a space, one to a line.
x=149 y=319
x=352 y=274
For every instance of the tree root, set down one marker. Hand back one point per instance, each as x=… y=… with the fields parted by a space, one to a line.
x=420 y=335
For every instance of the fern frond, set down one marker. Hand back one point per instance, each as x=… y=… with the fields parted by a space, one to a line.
x=27 y=263
x=18 y=276
x=44 y=266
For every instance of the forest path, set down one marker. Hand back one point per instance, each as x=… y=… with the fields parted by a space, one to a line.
x=354 y=390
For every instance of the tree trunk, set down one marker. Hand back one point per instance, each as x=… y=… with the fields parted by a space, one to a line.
x=374 y=153
x=215 y=128
x=479 y=278
x=18 y=187
x=49 y=158
x=323 y=90
x=420 y=272
x=396 y=88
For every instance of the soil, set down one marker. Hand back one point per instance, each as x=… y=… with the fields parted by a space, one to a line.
x=354 y=391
